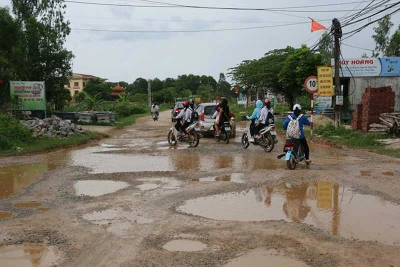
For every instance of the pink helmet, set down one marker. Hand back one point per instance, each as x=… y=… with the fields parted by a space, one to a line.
x=185 y=103
x=267 y=101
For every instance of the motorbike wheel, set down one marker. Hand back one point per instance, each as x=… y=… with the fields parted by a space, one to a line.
x=193 y=139
x=171 y=139
x=291 y=163
x=245 y=140
x=225 y=137
x=269 y=143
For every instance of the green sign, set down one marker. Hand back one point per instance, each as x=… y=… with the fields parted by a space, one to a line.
x=27 y=95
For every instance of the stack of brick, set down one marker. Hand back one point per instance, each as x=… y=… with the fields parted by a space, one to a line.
x=375 y=101
x=357 y=117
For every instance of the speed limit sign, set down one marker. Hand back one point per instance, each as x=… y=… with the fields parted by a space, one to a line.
x=311 y=84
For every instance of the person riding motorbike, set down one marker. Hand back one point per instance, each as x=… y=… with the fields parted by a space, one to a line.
x=224 y=113
x=154 y=108
x=302 y=121
x=254 y=117
x=181 y=116
x=266 y=116
x=187 y=117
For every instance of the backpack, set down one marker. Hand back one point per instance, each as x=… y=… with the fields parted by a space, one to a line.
x=195 y=116
x=293 y=129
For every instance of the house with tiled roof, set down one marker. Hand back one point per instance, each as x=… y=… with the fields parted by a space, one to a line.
x=78 y=81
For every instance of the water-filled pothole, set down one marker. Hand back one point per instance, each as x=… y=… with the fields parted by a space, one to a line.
x=328 y=206
x=184 y=245
x=42 y=209
x=260 y=258
x=234 y=178
x=5 y=215
x=27 y=205
x=29 y=255
x=95 y=188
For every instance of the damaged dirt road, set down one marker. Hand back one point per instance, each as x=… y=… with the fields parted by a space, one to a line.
x=133 y=200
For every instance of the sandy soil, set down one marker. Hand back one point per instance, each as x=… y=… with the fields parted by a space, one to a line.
x=131 y=226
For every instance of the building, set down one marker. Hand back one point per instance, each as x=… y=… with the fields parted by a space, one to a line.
x=78 y=81
x=117 y=91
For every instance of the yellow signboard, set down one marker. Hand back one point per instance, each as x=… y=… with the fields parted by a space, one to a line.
x=325 y=81
x=324 y=195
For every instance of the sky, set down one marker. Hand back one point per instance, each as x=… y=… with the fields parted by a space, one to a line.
x=125 y=56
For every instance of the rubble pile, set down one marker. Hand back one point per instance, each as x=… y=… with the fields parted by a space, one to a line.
x=52 y=127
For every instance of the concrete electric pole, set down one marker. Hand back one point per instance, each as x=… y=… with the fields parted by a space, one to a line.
x=149 y=91
x=337 y=34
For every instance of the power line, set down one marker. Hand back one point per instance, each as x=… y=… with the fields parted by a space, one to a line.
x=286 y=9
x=357 y=47
x=190 y=31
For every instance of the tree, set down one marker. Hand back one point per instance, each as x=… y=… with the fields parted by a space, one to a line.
x=97 y=86
x=205 y=92
x=364 y=55
x=381 y=36
x=140 y=85
x=92 y=102
x=325 y=48
x=156 y=85
x=393 y=48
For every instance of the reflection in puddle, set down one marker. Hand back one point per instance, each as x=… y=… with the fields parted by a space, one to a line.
x=95 y=188
x=325 y=205
x=42 y=209
x=184 y=245
x=115 y=215
x=13 y=179
x=145 y=187
x=28 y=255
x=27 y=205
x=234 y=178
x=388 y=173
x=365 y=173
x=260 y=258
x=5 y=215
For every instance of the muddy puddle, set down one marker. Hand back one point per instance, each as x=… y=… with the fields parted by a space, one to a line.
x=184 y=245
x=27 y=205
x=331 y=207
x=95 y=188
x=261 y=258
x=234 y=178
x=29 y=255
x=5 y=215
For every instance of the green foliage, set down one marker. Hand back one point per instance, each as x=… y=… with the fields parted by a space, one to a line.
x=94 y=103
x=393 y=49
x=325 y=48
x=12 y=133
x=97 y=86
x=139 y=98
x=125 y=109
x=205 y=93
x=381 y=36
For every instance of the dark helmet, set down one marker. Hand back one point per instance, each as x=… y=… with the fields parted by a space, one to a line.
x=185 y=103
x=191 y=102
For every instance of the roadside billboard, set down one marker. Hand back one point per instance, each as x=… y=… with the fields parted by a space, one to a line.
x=28 y=95
x=369 y=67
x=325 y=81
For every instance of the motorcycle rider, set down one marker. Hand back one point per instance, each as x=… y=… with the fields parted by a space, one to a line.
x=187 y=117
x=302 y=121
x=180 y=118
x=154 y=109
x=254 y=118
x=223 y=116
x=266 y=116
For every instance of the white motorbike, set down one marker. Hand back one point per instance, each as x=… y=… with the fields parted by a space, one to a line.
x=192 y=139
x=267 y=137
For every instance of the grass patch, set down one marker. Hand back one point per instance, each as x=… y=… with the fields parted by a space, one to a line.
x=46 y=143
x=122 y=122
x=356 y=139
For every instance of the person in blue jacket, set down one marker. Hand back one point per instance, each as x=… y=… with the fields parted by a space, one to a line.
x=302 y=121
x=254 y=118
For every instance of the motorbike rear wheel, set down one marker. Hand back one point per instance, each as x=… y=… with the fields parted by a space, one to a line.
x=172 y=139
x=193 y=139
x=225 y=137
x=245 y=140
x=291 y=163
x=269 y=141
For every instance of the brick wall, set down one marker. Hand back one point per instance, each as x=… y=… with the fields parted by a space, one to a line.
x=375 y=101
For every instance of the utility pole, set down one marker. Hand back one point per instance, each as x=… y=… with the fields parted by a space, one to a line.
x=337 y=34
x=149 y=91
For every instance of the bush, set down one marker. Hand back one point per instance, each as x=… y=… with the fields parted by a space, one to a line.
x=125 y=109
x=12 y=133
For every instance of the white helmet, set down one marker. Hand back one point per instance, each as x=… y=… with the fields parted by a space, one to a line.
x=296 y=106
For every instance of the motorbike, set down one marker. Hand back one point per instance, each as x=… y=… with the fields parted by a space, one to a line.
x=267 y=137
x=192 y=139
x=294 y=153
x=154 y=116
x=225 y=132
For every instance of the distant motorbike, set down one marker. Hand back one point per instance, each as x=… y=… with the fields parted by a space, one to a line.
x=225 y=132
x=294 y=153
x=192 y=139
x=154 y=115
x=267 y=137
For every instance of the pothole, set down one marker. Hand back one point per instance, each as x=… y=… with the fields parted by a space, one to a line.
x=146 y=187
x=115 y=215
x=5 y=215
x=325 y=205
x=184 y=245
x=29 y=255
x=388 y=173
x=234 y=178
x=167 y=183
x=95 y=188
x=261 y=258
x=27 y=205
x=42 y=209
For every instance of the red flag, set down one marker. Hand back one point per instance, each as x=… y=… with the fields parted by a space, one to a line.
x=315 y=26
